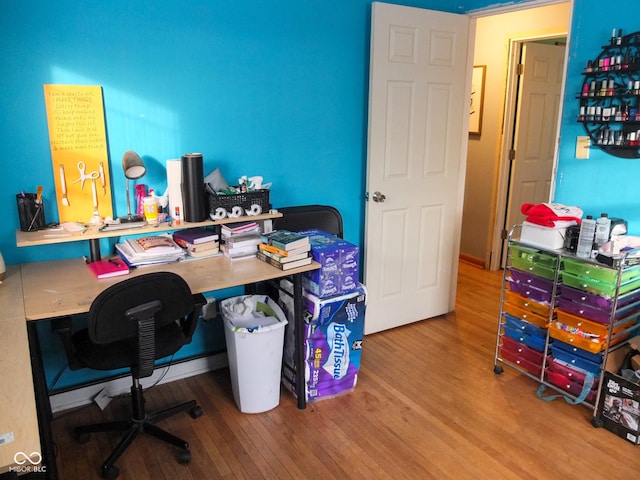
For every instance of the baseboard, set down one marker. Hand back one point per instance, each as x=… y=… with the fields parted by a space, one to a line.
x=85 y=395
x=478 y=262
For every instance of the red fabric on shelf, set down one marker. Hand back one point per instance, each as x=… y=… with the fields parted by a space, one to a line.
x=546 y=214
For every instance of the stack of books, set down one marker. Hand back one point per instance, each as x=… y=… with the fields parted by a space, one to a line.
x=240 y=240
x=198 y=242
x=284 y=249
x=149 y=250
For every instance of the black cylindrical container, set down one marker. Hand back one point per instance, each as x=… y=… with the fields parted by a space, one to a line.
x=194 y=195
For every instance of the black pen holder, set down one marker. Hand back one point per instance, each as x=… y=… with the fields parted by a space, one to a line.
x=31 y=212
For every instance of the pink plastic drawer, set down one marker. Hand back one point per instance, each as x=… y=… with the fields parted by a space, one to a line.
x=571 y=372
x=569 y=385
x=521 y=350
x=520 y=362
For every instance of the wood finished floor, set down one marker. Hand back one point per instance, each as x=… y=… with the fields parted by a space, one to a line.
x=427 y=406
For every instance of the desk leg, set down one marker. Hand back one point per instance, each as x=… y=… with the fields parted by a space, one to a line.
x=43 y=406
x=298 y=318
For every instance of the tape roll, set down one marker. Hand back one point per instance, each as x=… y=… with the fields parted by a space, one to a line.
x=254 y=210
x=219 y=213
x=235 y=212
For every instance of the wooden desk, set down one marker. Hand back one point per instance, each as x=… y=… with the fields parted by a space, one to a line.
x=18 y=420
x=66 y=287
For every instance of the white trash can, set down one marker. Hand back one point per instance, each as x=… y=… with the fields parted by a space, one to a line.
x=254 y=333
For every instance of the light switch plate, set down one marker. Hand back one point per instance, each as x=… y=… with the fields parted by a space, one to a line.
x=583 y=144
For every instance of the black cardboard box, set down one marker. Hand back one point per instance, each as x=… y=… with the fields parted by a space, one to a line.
x=618 y=408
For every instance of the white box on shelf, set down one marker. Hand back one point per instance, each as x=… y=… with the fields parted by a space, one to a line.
x=545 y=237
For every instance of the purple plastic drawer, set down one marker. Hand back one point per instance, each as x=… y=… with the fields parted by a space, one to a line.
x=591 y=299
x=519 y=276
x=583 y=310
x=530 y=292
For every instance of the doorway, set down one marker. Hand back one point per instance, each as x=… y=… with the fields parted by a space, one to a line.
x=499 y=34
x=536 y=70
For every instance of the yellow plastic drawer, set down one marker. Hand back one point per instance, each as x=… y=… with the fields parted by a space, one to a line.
x=597 y=272
x=526 y=315
x=518 y=300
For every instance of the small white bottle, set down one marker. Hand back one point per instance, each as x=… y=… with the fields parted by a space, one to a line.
x=586 y=237
x=603 y=229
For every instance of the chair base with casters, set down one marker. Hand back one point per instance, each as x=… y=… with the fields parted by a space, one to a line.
x=139 y=423
x=132 y=324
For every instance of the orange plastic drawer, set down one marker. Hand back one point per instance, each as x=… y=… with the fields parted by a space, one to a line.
x=558 y=331
x=525 y=315
x=518 y=300
x=591 y=328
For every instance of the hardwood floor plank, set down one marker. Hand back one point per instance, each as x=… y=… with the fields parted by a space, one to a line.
x=427 y=406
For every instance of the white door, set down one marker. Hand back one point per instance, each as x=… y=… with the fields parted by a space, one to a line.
x=418 y=132
x=540 y=90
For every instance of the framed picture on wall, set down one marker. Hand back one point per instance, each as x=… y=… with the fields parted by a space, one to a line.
x=477 y=99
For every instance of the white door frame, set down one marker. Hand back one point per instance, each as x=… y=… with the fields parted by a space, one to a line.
x=495 y=242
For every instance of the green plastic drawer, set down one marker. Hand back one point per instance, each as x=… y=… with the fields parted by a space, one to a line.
x=525 y=265
x=597 y=272
x=600 y=288
x=533 y=256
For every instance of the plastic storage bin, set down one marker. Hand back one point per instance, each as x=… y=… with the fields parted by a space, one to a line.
x=254 y=333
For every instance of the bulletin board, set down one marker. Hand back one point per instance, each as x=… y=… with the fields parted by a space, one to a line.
x=78 y=141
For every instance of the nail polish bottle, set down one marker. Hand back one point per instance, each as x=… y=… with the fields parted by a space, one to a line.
x=610 y=88
x=581 y=114
x=619 y=38
x=613 y=37
x=585 y=89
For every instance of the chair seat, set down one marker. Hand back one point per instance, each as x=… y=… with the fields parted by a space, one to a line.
x=123 y=354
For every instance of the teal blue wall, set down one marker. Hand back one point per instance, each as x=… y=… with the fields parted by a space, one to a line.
x=277 y=88
x=603 y=183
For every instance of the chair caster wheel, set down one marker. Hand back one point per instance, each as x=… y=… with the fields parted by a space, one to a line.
x=111 y=472
x=184 y=457
x=83 y=437
x=196 y=411
x=497 y=369
x=597 y=422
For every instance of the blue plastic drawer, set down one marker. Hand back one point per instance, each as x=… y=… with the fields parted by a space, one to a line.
x=531 y=341
x=573 y=350
x=524 y=326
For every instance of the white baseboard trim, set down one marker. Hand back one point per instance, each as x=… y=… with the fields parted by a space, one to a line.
x=85 y=395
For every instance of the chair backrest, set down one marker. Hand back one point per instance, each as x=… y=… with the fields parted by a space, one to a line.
x=304 y=217
x=132 y=311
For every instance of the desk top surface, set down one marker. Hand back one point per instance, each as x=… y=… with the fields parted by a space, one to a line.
x=67 y=287
x=18 y=418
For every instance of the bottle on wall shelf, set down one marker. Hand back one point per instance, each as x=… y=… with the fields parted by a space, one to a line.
x=150 y=208
x=603 y=229
x=586 y=237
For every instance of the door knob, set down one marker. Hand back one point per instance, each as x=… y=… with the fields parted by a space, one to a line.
x=378 y=197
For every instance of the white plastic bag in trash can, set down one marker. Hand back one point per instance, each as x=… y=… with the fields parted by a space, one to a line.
x=254 y=333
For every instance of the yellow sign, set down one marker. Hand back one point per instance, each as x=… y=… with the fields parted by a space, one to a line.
x=77 y=136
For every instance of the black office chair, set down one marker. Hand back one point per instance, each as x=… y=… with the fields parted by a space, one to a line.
x=305 y=217
x=132 y=324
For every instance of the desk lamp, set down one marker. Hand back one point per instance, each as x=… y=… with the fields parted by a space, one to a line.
x=134 y=168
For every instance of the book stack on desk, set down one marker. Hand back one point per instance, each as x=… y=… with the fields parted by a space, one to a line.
x=284 y=249
x=240 y=240
x=149 y=250
x=198 y=242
